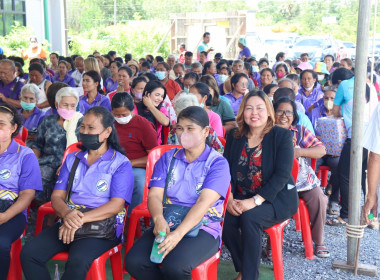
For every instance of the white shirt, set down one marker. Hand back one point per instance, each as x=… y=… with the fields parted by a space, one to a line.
x=77 y=76
x=371 y=139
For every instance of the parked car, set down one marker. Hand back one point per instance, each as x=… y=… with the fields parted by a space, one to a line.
x=316 y=47
x=350 y=49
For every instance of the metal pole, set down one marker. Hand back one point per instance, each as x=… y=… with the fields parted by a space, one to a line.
x=66 y=29
x=357 y=125
x=46 y=22
x=373 y=42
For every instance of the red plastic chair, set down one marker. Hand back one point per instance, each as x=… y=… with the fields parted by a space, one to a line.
x=222 y=140
x=15 y=269
x=141 y=210
x=23 y=134
x=296 y=216
x=224 y=132
x=22 y=143
x=166 y=130
x=323 y=174
x=97 y=270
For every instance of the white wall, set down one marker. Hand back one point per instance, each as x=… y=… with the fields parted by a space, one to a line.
x=35 y=17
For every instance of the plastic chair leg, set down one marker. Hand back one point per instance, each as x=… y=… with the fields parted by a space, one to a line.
x=297 y=219
x=15 y=270
x=98 y=270
x=306 y=231
x=138 y=229
x=276 y=242
x=117 y=266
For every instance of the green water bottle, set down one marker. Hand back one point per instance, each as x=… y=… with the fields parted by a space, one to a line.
x=155 y=257
x=371 y=216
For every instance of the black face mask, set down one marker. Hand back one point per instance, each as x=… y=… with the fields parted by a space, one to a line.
x=90 y=141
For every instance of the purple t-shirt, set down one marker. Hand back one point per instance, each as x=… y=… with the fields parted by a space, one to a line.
x=235 y=103
x=12 y=90
x=110 y=176
x=318 y=112
x=314 y=96
x=111 y=85
x=210 y=170
x=244 y=52
x=67 y=80
x=34 y=120
x=100 y=100
x=19 y=170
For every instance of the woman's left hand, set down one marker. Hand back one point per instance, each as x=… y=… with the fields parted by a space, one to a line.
x=245 y=204
x=148 y=102
x=171 y=240
x=66 y=234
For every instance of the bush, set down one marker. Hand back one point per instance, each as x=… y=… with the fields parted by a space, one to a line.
x=136 y=37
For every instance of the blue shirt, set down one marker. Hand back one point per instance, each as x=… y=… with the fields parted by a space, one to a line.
x=344 y=97
x=202 y=48
x=305 y=121
x=100 y=100
x=210 y=170
x=109 y=176
x=34 y=120
x=19 y=171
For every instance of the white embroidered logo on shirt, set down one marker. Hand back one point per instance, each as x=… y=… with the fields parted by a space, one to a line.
x=5 y=174
x=102 y=185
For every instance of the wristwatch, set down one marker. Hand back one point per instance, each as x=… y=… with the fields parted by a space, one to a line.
x=258 y=200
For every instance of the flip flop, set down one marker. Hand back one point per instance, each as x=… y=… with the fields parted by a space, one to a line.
x=336 y=222
x=333 y=208
x=321 y=251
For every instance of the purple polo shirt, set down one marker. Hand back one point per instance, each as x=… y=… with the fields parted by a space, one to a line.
x=34 y=120
x=315 y=95
x=318 y=112
x=110 y=176
x=100 y=100
x=67 y=80
x=19 y=171
x=210 y=170
x=235 y=103
x=111 y=85
x=14 y=86
x=244 y=52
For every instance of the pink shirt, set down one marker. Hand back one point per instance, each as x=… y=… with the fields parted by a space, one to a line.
x=216 y=123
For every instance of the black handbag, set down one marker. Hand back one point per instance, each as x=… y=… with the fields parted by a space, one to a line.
x=5 y=204
x=174 y=214
x=104 y=229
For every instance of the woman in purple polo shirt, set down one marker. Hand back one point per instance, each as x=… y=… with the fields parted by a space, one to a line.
x=111 y=83
x=31 y=114
x=103 y=182
x=310 y=90
x=19 y=179
x=62 y=74
x=95 y=95
x=199 y=180
x=239 y=85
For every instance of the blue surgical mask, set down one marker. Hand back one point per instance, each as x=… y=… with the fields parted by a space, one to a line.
x=187 y=90
x=160 y=75
x=27 y=106
x=271 y=98
x=202 y=105
x=255 y=68
x=223 y=78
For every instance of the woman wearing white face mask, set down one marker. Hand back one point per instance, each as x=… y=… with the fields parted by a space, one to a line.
x=198 y=178
x=310 y=91
x=137 y=136
x=323 y=108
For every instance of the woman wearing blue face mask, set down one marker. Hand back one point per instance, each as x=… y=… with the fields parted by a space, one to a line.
x=31 y=114
x=190 y=79
x=162 y=74
x=137 y=136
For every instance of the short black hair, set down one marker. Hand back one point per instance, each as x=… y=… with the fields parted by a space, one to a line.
x=120 y=59
x=235 y=79
x=204 y=53
x=118 y=64
x=189 y=54
x=191 y=75
x=137 y=80
x=149 y=75
x=122 y=99
x=36 y=67
x=267 y=88
x=56 y=55
x=145 y=64
x=262 y=60
x=127 y=69
x=127 y=57
x=341 y=74
x=151 y=58
x=329 y=55
x=205 y=34
x=280 y=55
x=111 y=53
x=16 y=119
x=304 y=54
x=286 y=99
x=195 y=114
x=159 y=58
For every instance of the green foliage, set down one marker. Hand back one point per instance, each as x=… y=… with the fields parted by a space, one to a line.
x=136 y=37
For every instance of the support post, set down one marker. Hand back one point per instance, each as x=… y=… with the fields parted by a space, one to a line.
x=46 y=21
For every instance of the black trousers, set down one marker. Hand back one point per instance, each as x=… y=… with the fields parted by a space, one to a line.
x=245 y=244
x=44 y=246
x=9 y=232
x=344 y=175
x=178 y=264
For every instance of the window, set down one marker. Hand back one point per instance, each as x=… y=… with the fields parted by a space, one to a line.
x=11 y=11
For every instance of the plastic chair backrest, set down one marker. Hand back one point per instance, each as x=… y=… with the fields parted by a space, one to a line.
x=166 y=131
x=313 y=163
x=295 y=170
x=222 y=140
x=70 y=149
x=24 y=134
x=153 y=156
x=22 y=143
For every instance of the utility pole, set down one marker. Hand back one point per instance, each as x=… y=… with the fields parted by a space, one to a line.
x=356 y=148
x=114 y=12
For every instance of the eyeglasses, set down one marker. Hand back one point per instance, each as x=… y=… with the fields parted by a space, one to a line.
x=282 y=112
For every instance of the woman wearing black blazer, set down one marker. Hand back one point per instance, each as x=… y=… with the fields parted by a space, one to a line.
x=263 y=194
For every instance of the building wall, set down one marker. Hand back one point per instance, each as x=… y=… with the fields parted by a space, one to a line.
x=35 y=17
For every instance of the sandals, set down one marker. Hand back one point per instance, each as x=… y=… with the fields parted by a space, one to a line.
x=333 y=208
x=336 y=222
x=321 y=251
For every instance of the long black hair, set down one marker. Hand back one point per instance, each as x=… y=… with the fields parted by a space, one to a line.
x=122 y=99
x=203 y=90
x=107 y=120
x=96 y=78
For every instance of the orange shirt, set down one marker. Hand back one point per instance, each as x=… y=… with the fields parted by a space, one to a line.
x=39 y=52
x=172 y=88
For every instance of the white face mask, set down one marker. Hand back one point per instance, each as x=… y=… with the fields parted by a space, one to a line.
x=321 y=77
x=308 y=88
x=124 y=120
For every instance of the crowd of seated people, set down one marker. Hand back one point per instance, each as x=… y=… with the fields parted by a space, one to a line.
x=238 y=122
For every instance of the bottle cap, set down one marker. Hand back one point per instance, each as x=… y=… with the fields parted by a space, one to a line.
x=162 y=233
x=371 y=216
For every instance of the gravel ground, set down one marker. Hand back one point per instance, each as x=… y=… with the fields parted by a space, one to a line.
x=297 y=267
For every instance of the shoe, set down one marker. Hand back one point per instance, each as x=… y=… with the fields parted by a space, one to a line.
x=374 y=223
